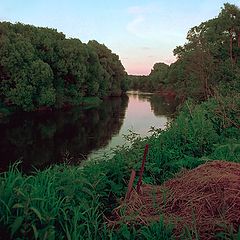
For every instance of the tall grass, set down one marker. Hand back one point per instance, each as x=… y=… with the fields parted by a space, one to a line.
x=64 y=202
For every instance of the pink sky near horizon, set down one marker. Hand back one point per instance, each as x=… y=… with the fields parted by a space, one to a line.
x=143 y=68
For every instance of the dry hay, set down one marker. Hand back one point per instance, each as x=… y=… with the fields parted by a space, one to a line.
x=205 y=199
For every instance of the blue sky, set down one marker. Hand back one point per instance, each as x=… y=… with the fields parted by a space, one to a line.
x=141 y=32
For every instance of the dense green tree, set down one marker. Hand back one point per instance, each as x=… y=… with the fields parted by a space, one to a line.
x=229 y=20
x=141 y=83
x=40 y=67
x=210 y=57
x=159 y=73
x=113 y=74
x=152 y=82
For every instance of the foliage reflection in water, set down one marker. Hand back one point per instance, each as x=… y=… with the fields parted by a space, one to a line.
x=42 y=139
x=145 y=110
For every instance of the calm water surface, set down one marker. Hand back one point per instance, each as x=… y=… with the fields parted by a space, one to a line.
x=144 y=111
x=46 y=138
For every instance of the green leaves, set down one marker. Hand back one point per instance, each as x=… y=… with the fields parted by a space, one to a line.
x=41 y=68
x=38 y=214
x=158 y=230
x=16 y=225
x=113 y=74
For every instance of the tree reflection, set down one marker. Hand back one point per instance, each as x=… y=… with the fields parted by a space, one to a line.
x=42 y=139
x=163 y=106
x=160 y=105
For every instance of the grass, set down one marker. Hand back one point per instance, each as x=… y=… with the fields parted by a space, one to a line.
x=64 y=202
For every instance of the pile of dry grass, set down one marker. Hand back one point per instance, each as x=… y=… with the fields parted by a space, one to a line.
x=206 y=200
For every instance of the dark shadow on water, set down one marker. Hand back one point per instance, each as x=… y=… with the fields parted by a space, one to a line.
x=42 y=139
x=163 y=106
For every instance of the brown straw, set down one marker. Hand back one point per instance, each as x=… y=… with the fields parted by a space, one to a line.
x=206 y=200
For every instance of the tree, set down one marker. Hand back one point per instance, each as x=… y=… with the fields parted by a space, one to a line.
x=229 y=19
x=113 y=74
x=206 y=54
x=158 y=75
x=39 y=67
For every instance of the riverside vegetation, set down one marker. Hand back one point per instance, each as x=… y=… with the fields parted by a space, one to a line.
x=65 y=202
x=40 y=68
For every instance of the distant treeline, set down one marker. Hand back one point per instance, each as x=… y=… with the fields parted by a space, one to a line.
x=40 y=67
x=152 y=82
x=208 y=62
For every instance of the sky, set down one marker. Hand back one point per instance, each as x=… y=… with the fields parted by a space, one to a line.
x=141 y=32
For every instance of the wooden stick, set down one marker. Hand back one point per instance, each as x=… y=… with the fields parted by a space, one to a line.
x=130 y=185
x=139 y=183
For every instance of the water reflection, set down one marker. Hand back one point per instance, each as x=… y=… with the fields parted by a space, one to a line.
x=41 y=139
x=163 y=106
x=145 y=110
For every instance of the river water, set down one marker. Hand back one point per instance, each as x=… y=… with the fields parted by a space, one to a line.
x=44 y=138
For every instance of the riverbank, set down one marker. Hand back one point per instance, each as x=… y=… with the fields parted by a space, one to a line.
x=77 y=202
x=86 y=102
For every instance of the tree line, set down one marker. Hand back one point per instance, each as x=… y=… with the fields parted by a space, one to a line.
x=207 y=63
x=40 y=67
x=152 y=82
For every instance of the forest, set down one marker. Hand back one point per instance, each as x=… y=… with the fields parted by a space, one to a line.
x=87 y=201
x=41 y=68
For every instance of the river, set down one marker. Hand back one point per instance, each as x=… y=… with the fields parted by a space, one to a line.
x=41 y=139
